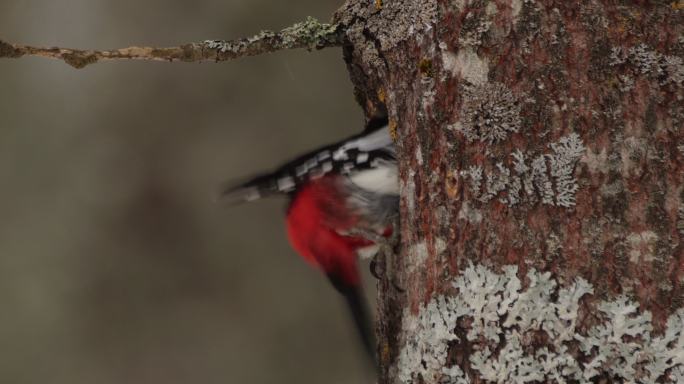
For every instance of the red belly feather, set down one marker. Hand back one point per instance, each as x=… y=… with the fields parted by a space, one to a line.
x=315 y=218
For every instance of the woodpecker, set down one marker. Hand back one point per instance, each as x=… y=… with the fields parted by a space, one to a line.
x=343 y=198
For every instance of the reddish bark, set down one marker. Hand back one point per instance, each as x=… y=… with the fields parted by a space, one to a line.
x=609 y=71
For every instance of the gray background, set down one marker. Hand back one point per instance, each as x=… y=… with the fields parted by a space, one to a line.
x=115 y=264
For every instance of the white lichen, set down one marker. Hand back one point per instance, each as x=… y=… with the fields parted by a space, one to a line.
x=645 y=59
x=529 y=183
x=519 y=162
x=649 y=62
x=614 y=353
x=541 y=181
x=532 y=310
x=474 y=175
x=454 y=375
x=514 y=190
x=623 y=345
x=495 y=182
x=490 y=112
x=677 y=375
x=523 y=172
x=511 y=365
x=567 y=151
x=425 y=350
x=484 y=293
x=617 y=56
x=505 y=322
x=667 y=352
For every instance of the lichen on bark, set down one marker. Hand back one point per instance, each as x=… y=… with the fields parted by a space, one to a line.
x=530 y=331
x=573 y=167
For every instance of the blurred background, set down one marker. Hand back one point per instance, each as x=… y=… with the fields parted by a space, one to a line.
x=116 y=266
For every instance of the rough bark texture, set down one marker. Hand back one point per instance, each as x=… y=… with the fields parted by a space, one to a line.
x=541 y=135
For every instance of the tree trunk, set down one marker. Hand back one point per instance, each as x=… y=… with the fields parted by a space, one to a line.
x=542 y=202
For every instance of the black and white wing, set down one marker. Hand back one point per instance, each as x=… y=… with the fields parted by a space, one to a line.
x=367 y=159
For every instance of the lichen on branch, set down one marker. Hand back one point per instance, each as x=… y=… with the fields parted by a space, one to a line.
x=309 y=34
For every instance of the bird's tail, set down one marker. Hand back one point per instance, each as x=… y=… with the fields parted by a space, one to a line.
x=362 y=321
x=353 y=295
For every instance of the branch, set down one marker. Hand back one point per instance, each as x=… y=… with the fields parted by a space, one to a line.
x=310 y=34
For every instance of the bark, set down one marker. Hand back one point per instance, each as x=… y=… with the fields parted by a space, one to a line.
x=542 y=165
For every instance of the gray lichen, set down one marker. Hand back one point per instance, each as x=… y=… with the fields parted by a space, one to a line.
x=648 y=62
x=645 y=59
x=504 y=327
x=490 y=112
x=674 y=67
x=400 y=20
x=496 y=182
x=514 y=190
x=310 y=34
x=373 y=30
x=613 y=353
x=667 y=352
x=623 y=345
x=522 y=169
x=426 y=348
x=474 y=176
x=567 y=151
x=473 y=30
x=529 y=183
x=541 y=181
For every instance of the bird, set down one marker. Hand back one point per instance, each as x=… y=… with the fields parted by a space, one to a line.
x=343 y=202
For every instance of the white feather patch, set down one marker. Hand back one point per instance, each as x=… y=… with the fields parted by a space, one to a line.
x=286 y=183
x=376 y=140
x=367 y=252
x=327 y=167
x=381 y=180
